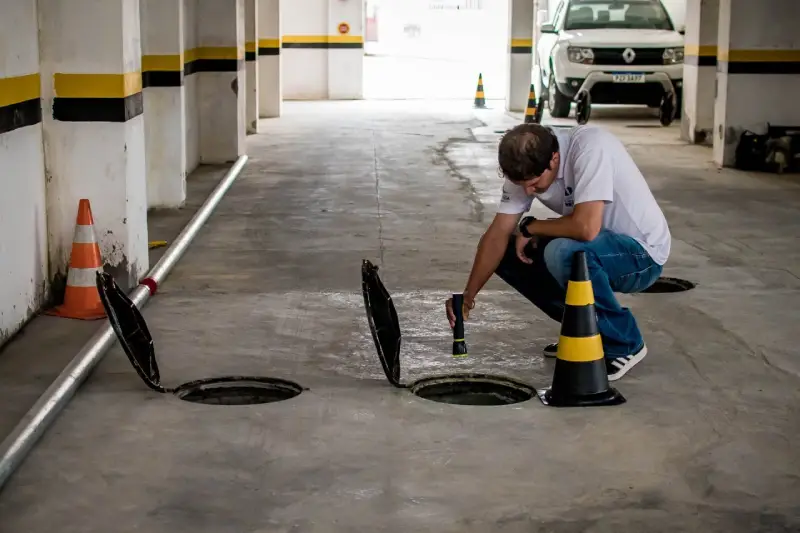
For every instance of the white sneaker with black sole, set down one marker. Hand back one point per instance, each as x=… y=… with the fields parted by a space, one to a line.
x=616 y=367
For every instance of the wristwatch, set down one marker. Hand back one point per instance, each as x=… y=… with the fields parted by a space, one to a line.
x=523 y=226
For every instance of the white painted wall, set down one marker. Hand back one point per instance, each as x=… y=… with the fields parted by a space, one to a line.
x=750 y=101
x=518 y=71
x=346 y=66
x=190 y=88
x=304 y=72
x=23 y=226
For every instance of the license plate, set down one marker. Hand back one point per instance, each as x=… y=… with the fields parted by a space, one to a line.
x=628 y=77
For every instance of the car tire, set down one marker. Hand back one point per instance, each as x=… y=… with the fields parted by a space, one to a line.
x=558 y=104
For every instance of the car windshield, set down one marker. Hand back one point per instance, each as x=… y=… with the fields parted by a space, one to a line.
x=621 y=14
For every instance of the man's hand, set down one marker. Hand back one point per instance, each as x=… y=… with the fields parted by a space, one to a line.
x=522 y=242
x=469 y=303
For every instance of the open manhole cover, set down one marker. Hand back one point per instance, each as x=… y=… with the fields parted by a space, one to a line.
x=238 y=391
x=664 y=285
x=461 y=389
x=134 y=336
x=474 y=389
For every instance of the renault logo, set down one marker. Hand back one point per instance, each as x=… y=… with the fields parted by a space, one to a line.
x=628 y=55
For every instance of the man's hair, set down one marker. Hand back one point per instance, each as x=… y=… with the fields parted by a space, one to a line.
x=525 y=151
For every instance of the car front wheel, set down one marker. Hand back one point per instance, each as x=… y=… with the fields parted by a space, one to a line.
x=558 y=104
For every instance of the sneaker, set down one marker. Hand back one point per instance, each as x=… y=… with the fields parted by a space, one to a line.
x=550 y=350
x=619 y=366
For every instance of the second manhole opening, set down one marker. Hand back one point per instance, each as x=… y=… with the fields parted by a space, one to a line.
x=666 y=285
x=238 y=391
x=461 y=389
x=472 y=390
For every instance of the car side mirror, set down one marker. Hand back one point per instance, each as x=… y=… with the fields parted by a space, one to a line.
x=682 y=30
x=548 y=28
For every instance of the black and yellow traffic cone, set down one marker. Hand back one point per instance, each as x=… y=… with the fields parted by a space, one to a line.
x=531 y=116
x=580 y=378
x=480 y=99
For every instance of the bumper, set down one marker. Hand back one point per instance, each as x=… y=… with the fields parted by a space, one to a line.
x=604 y=90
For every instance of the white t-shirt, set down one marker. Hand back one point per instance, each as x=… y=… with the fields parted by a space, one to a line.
x=595 y=165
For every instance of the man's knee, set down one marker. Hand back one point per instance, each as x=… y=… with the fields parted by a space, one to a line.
x=558 y=256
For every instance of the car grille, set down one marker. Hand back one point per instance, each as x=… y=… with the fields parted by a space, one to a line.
x=613 y=56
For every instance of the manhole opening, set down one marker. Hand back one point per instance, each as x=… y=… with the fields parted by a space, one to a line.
x=238 y=391
x=664 y=285
x=461 y=390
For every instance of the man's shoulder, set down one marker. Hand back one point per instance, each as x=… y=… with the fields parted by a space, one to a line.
x=591 y=133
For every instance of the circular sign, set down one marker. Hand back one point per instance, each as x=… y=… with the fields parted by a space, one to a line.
x=344 y=28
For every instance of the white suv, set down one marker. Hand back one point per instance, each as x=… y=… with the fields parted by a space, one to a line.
x=611 y=52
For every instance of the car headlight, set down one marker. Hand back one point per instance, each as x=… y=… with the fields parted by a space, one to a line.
x=673 y=56
x=580 y=55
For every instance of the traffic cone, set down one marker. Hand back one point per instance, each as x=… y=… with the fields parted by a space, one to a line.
x=480 y=100
x=580 y=378
x=81 y=298
x=530 y=111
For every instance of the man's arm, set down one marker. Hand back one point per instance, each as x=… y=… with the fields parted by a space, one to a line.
x=491 y=249
x=583 y=224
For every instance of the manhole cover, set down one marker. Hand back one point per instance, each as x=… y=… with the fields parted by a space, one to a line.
x=238 y=391
x=663 y=285
x=472 y=390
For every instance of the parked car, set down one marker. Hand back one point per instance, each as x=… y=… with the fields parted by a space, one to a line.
x=626 y=52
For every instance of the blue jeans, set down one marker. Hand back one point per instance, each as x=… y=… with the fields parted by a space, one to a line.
x=617 y=263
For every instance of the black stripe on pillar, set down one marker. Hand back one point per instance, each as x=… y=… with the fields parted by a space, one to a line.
x=218 y=65
x=701 y=61
x=269 y=51
x=760 y=67
x=162 y=78
x=20 y=115
x=98 y=109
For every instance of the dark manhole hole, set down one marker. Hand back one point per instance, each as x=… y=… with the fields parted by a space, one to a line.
x=472 y=390
x=664 y=285
x=238 y=391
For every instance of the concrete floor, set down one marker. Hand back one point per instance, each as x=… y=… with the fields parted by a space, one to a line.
x=271 y=287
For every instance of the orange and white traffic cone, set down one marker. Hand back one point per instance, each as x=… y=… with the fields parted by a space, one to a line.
x=81 y=299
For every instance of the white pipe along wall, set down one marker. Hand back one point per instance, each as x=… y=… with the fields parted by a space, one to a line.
x=23 y=224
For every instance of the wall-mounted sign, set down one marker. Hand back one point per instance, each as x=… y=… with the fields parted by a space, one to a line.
x=344 y=28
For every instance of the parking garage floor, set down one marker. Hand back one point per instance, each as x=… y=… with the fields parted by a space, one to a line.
x=272 y=287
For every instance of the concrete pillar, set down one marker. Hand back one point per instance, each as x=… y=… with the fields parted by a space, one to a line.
x=520 y=53
x=23 y=225
x=221 y=80
x=190 y=84
x=251 y=61
x=345 y=49
x=700 y=70
x=758 y=74
x=94 y=130
x=323 y=49
x=270 y=93
x=164 y=101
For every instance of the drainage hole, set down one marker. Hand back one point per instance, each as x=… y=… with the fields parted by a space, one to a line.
x=238 y=391
x=461 y=391
x=663 y=285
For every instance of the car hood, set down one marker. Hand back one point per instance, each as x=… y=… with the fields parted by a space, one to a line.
x=622 y=38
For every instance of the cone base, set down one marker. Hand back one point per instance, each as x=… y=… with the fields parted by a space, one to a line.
x=62 y=311
x=611 y=396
